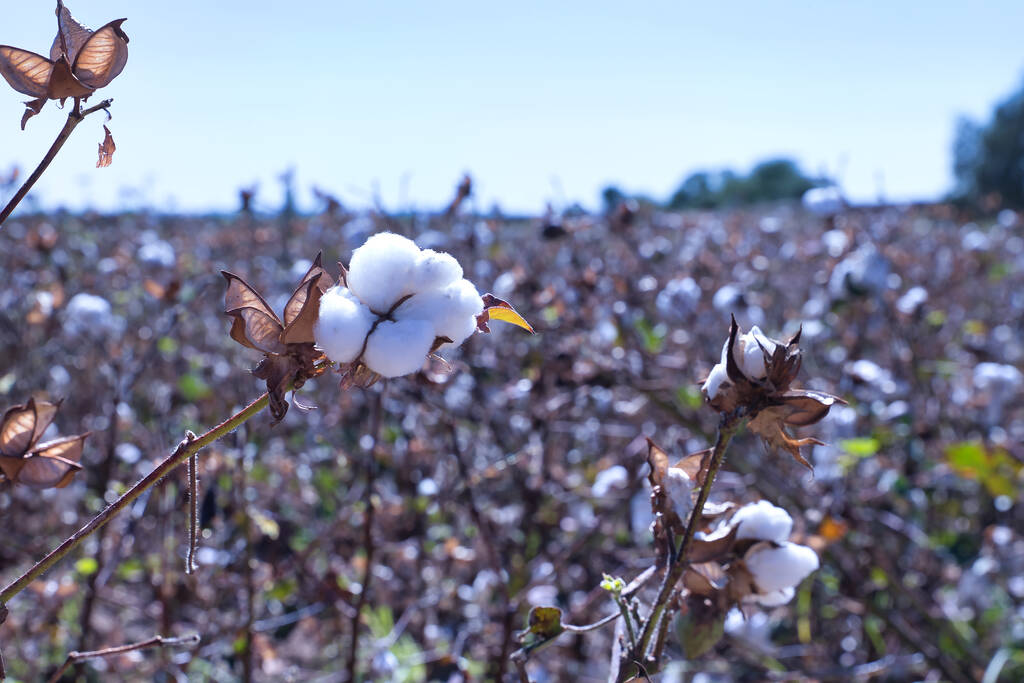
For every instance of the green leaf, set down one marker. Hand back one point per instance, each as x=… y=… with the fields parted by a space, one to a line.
x=698 y=635
x=193 y=388
x=87 y=566
x=969 y=459
x=861 y=447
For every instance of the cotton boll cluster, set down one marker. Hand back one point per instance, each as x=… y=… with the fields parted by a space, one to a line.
x=749 y=356
x=397 y=305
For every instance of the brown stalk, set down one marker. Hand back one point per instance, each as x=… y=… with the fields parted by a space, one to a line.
x=368 y=546
x=156 y=641
x=75 y=117
x=631 y=657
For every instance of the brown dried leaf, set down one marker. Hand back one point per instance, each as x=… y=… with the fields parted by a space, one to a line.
x=32 y=108
x=106 y=151
x=278 y=372
x=658 y=460
x=102 y=57
x=704 y=550
x=298 y=299
x=303 y=308
x=26 y=72
x=71 y=35
x=705 y=578
x=769 y=425
x=17 y=433
x=695 y=465
x=255 y=325
x=499 y=309
x=805 y=407
x=53 y=464
x=63 y=83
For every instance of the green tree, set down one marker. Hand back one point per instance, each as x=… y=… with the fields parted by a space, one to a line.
x=989 y=159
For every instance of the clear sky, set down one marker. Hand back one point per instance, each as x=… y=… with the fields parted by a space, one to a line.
x=537 y=100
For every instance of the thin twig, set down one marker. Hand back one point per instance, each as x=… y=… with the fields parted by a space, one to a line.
x=193 y=514
x=368 y=515
x=75 y=117
x=156 y=641
x=185 y=450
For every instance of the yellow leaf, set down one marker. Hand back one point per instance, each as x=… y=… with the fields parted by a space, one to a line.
x=509 y=315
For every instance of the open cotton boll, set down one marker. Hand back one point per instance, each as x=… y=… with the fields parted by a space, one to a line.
x=342 y=325
x=399 y=348
x=778 y=568
x=718 y=376
x=772 y=599
x=749 y=355
x=679 y=487
x=763 y=521
x=435 y=270
x=382 y=271
x=452 y=310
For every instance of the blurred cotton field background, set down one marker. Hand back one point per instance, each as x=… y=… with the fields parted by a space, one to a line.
x=910 y=313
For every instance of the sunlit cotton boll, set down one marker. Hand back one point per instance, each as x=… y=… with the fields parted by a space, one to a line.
x=763 y=521
x=679 y=488
x=342 y=325
x=749 y=354
x=778 y=568
x=89 y=314
x=399 y=348
x=382 y=271
x=452 y=310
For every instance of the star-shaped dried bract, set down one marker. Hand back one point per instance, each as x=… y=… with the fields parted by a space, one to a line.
x=39 y=465
x=288 y=346
x=81 y=61
x=770 y=401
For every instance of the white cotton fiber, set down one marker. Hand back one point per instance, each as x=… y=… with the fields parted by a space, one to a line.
x=382 y=271
x=679 y=488
x=749 y=355
x=342 y=326
x=718 y=376
x=772 y=599
x=399 y=348
x=452 y=311
x=763 y=521
x=779 y=568
x=435 y=270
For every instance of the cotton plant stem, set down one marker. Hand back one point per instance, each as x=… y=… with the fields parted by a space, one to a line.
x=155 y=641
x=185 y=450
x=75 y=117
x=730 y=425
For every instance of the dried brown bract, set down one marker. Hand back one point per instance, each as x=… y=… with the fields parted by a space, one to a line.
x=81 y=61
x=106 y=151
x=755 y=375
x=39 y=465
x=288 y=346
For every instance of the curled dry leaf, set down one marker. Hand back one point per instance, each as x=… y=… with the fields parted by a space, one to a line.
x=81 y=61
x=24 y=461
x=288 y=345
x=106 y=151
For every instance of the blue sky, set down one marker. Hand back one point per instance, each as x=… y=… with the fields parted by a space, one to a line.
x=537 y=100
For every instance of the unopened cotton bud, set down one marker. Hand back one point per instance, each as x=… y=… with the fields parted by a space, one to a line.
x=778 y=568
x=399 y=348
x=762 y=521
x=342 y=325
x=679 y=488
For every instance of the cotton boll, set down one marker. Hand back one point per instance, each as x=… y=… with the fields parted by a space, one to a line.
x=435 y=270
x=778 y=568
x=763 y=521
x=452 y=310
x=382 y=270
x=772 y=599
x=749 y=355
x=343 y=324
x=679 y=488
x=718 y=376
x=399 y=348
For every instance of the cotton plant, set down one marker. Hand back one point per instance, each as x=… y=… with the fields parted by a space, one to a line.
x=713 y=557
x=392 y=308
